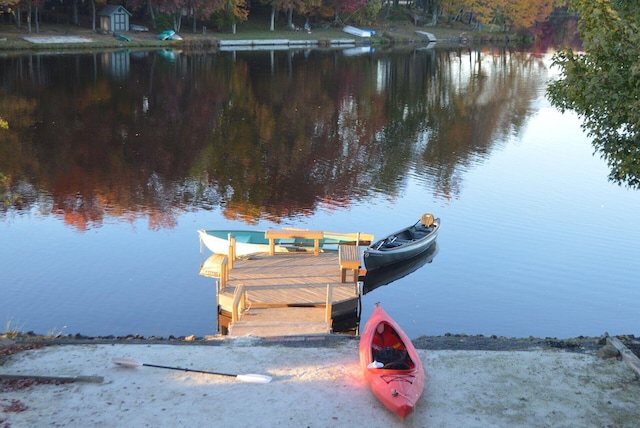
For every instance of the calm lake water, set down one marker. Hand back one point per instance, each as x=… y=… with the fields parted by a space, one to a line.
x=113 y=161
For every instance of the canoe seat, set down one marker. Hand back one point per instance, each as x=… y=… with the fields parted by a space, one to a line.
x=349 y=258
x=397 y=243
x=427 y=220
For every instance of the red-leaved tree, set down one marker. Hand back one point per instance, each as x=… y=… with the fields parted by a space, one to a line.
x=174 y=9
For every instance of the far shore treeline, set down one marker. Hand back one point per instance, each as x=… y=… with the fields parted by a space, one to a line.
x=500 y=16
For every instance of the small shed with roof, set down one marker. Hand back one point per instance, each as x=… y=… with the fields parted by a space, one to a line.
x=114 y=18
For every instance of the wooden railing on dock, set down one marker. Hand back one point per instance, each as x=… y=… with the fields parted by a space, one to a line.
x=232 y=250
x=328 y=304
x=239 y=303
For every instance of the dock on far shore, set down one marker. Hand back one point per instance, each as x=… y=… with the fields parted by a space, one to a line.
x=285 y=294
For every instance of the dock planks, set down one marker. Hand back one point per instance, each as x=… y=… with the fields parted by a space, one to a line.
x=285 y=280
x=270 y=322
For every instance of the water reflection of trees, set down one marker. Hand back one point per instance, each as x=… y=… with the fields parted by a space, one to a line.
x=261 y=135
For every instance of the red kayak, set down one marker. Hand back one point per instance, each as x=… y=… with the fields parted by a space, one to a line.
x=390 y=363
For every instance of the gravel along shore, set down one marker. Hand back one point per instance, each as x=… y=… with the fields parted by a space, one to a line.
x=314 y=382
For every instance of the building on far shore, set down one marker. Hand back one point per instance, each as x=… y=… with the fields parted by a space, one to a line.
x=114 y=18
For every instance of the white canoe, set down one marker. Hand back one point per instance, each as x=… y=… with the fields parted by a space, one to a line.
x=254 y=241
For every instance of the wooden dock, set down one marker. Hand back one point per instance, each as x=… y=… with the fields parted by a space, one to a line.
x=286 y=294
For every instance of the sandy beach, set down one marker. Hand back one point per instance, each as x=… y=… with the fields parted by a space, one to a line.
x=315 y=383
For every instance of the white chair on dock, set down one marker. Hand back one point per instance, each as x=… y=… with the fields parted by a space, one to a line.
x=216 y=266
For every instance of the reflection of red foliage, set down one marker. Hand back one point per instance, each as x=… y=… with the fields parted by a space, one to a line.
x=248 y=213
x=159 y=220
x=552 y=34
x=251 y=214
x=77 y=219
x=145 y=149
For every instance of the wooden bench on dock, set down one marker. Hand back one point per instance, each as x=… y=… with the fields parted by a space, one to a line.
x=349 y=258
x=273 y=234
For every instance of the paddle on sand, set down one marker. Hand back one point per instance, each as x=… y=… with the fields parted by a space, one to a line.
x=252 y=378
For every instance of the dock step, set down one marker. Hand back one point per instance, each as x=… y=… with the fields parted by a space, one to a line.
x=289 y=321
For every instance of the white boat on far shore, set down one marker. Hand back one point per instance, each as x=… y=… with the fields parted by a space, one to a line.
x=358 y=32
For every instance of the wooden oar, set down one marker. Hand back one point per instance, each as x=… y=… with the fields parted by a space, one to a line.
x=252 y=378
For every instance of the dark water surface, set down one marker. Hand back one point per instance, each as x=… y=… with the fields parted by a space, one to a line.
x=112 y=161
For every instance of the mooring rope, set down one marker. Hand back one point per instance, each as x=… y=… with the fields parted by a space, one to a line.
x=395 y=392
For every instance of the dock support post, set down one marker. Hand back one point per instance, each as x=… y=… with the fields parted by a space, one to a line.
x=329 y=304
x=232 y=250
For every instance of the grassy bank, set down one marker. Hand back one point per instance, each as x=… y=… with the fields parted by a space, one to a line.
x=388 y=32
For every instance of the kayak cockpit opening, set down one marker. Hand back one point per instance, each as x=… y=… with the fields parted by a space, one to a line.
x=388 y=349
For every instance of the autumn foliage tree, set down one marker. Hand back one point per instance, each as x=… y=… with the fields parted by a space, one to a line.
x=602 y=84
x=308 y=8
x=237 y=10
x=345 y=8
x=12 y=7
x=503 y=14
x=174 y=9
x=33 y=13
x=349 y=6
x=518 y=14
x=204 y=9
x=276 y=5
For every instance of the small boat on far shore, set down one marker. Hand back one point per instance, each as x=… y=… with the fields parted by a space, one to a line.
x=403 y=244
x=391 y=364
x=166 y=35
x=357 y=31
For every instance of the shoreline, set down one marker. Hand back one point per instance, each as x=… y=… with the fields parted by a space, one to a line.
x=13 y=39
x=315 y=382
x=458 y=342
